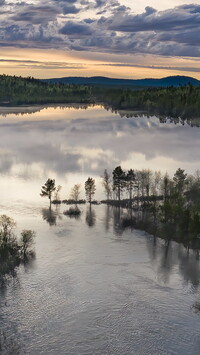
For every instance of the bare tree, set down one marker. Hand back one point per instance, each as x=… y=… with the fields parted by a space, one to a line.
x=27 y=240
x=57 y=192
x=75 y=192
x=106 y=182
x=130 y=183
x=7 y=224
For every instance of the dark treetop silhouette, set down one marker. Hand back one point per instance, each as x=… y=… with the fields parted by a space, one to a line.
x=47 y=189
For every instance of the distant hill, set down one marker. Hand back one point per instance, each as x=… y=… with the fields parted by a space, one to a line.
x=103 y=81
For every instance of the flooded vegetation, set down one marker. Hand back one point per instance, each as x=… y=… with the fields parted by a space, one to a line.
x=13 y=251
x=102 y=280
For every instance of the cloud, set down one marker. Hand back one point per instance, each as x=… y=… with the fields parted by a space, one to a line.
x=113 y=29
x=65 y=1
x=71 y=142
x=70 y=9
x=29 y=34
x=76 y=29
x=36 y=14
x=182 y=17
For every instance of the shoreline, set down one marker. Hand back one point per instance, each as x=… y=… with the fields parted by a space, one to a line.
x=33 y=108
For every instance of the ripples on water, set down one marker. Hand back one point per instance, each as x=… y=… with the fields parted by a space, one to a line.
x=93 y=288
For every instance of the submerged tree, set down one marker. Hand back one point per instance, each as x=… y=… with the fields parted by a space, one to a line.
x=90 y=189
x=27 y=240
x=47 y=189
x=12 y=251
x=7 y=224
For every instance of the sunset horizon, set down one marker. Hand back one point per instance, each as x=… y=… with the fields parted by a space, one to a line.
x=100 y=38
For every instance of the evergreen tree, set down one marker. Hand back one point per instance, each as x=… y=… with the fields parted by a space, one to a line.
x=47 y=189
x=118 y=181
x=179 y=181
x=90 y=189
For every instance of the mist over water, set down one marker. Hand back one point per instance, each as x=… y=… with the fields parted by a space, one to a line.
x=94 y=288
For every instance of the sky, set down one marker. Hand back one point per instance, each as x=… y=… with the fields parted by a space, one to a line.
x=114 y=38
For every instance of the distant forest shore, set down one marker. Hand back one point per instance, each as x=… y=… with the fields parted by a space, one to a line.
x=177 y=102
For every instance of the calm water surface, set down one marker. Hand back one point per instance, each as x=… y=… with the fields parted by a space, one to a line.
x=93 y=288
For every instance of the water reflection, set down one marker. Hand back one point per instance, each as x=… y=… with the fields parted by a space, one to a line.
x=49 y=216
x=117 y=217
x=108 y=281
x=67 y=140
x=165 y=255
x=109 y=287
x=108 y=217
x=90 y=218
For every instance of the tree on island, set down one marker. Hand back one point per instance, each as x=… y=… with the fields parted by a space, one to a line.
x=118 y=181
x=47 y=189
x=90 y=189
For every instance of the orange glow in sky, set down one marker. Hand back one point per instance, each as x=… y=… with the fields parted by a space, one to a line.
x=99 y=38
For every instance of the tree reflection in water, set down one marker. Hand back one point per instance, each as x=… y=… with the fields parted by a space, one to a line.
x=90 y=218
x=165 y=254
x=50 y=216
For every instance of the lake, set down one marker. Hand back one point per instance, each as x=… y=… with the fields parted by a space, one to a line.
x=93 y=287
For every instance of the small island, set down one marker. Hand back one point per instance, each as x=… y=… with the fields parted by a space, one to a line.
x=164 y=206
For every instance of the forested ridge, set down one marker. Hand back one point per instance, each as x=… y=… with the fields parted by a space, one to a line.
x=18 y=91
x=182 y=101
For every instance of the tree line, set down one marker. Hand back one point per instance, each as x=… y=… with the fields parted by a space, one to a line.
x=182 y=101
x=18 y=91
x=177 y=102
